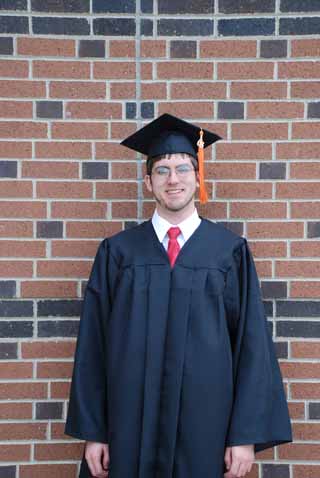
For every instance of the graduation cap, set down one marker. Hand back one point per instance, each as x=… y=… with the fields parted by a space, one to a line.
x=168 y=134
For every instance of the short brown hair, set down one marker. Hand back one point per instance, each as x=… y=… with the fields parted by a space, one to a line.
x=152 y=160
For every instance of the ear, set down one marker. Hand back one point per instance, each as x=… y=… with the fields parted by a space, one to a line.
x=148 y=183
x=198 y=178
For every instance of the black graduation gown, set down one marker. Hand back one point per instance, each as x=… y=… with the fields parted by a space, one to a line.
x=173 y=365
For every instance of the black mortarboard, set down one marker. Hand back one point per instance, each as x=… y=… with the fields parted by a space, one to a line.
x=168 y=134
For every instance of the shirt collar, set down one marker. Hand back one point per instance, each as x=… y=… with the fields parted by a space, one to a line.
x=187 y=226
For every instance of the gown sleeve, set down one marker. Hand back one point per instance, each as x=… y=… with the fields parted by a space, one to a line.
x=87 y=411
x=260 y=413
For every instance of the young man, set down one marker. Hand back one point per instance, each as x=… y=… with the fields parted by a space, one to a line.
x=175 y=372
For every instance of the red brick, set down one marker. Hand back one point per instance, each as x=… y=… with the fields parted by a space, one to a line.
x=65 y=268
x=61 y=69
x=15 y=370
x=299 y=69
x=21 y=431
x=305 y=47
x=22 y=129
x=304 y=390
x=54 y=369
x=228 y=48
x=15 y=150
x=80 y=130
x=298 y=268
x=48 y=349
x=306 y=130
x=260 y=130
x=23 y=390
x=146 y=70
x=305 y=89
x=245 y=70
x=254 y=210
x=116 y=190
x=123 y=90
x=299 y=451
x=214 y=170
x=306 y=350
x=92 y=229
x=45 y=47
x=153 y=48
x=298 y=150
x=305 y=170
x=58 y=451
x=306 y=431
x=15 y=411
x=11 y=248
x=57 y=432
x=305 y=289
x=275 y=229
x=246 y=151
x=69 y=209
x=307 y=209
x=244 y=190
x=16 y=228
x=64 y=189
x=305 y=248
x=77 y=89
x=199 y=90
x=124 y=209
x=300 y=370
x=301 y=471
x=211 y=210
x=22 y=89
x=16 y=269
x=95 y=110
x=62 y=150
x=275 y=109
x=109 y=70
x=16 y=109
x=153 y=91
x=298 y=190
x=48 y=289
x=259 y=90
x=122 y=48
x=15 y=453
x=264 y=268
x=13 y=68
x=82 y=249
x=15 y=189
x=109 y=150
x=296 y=410
x=124 y=170
x=52 y=169
x=47 y=470
x=183 y=69
x=121 y=130
x=268 y=248
x=32 y=209
x=187 y=109
x=60 y=389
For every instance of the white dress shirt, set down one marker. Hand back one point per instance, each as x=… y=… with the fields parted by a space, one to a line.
x=188 y=226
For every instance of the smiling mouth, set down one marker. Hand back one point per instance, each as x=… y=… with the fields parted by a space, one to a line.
x=173 y=192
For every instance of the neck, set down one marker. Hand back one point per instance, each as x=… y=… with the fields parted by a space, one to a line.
x=175 y=217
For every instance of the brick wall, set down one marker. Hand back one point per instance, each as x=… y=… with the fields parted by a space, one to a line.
x=76 y=77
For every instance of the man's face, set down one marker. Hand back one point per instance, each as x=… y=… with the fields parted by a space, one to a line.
x=175 y=191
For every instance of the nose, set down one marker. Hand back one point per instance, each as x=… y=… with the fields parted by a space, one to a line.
x=173 y=176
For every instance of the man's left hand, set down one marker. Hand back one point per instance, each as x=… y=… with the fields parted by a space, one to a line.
x=238 y=460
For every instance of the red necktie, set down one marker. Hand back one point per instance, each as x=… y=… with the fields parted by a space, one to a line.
x=173 y=246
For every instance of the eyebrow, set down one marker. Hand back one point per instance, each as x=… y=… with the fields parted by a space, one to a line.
x=165 y=166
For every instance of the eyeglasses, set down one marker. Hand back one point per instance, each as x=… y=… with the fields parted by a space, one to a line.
x=181 y=170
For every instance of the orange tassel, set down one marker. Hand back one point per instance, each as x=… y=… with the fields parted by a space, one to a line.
x=203 y=195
